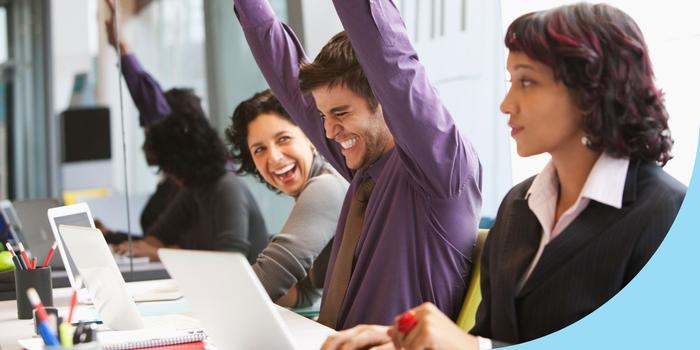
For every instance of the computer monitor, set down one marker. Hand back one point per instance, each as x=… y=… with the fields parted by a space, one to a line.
x=79 y=145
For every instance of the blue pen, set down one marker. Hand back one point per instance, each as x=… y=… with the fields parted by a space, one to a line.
x=46 y=334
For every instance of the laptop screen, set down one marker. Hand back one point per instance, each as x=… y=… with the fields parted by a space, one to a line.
x=78 y=219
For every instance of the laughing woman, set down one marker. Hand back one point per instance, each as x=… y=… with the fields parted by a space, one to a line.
x=569 y=239
x=266 y=143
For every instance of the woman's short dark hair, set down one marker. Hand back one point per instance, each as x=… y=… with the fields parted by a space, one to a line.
x=184 y=101
x=237 y=134
x=599 y=53
x=187 y=147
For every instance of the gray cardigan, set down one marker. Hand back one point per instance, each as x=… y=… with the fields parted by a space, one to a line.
x=310 y=227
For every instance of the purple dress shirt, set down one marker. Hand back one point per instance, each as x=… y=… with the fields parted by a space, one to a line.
x=145 y=92
x=421 y=219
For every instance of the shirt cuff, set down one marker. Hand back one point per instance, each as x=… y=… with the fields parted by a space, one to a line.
x=130 y=64
x=252 y=13
x=485 y=343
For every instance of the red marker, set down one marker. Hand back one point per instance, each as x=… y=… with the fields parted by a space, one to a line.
x=25 y=257
x=73 y=301
x=33 y=263
x=49 y=256
x=406 y=322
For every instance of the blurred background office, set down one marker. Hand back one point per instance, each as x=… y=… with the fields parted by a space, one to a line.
x=60 y=115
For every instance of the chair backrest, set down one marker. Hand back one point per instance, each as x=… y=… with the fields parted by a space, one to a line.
x=467 y=316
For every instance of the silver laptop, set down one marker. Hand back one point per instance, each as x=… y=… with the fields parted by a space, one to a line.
x=35 y=229
x=93 y=260
x=227 y=297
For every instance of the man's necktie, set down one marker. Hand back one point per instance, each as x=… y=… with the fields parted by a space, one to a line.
x=344 y=262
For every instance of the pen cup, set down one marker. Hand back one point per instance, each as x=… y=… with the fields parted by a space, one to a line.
x=39 y=279
x=50 y=310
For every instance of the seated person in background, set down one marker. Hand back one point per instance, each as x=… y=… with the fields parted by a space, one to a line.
x=214 y=207
x=409 y=219
x=569 y=239
x=153 y=106
x=265 y=142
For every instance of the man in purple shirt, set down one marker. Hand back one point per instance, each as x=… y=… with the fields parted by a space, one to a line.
x=421 y=219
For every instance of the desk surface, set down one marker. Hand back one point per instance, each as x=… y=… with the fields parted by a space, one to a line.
x=59 y=278
x=307 y=333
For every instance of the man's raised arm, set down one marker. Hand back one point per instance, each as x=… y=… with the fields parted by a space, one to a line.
x=424 y=132
x=278 y=55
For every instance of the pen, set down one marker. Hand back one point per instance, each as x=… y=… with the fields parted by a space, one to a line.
x=15 y=259
x=18 y=262
x=406 y=322
x=65 y=331
x=25 y=257
x=73 y=301
x=49 y=256
x=33 y=263
x=44 y=329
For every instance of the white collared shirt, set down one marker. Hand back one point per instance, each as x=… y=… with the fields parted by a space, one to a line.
x=605 y=184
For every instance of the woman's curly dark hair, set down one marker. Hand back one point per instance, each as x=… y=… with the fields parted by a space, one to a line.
x=599 y=53
x=187 y=147
x=237 y=134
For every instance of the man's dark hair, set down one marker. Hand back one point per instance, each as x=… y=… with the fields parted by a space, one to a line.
x=337 y=65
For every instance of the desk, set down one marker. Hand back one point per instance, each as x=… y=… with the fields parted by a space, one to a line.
x=307 y=333
x=142 y=272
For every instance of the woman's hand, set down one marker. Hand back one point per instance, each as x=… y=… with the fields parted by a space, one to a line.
x=432 y=330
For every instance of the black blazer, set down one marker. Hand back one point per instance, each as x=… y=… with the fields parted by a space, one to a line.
x=579 y=270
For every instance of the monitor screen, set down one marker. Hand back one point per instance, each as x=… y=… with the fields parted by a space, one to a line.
x=86 y=134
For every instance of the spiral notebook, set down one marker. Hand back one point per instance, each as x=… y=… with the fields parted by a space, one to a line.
x=160 y=331
x=138 y=339
x=145 y=338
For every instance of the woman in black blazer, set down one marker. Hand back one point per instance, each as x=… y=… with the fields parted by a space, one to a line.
x=567 y=240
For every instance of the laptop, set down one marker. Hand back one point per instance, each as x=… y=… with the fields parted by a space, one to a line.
x=92 y=258
x=34 y=228
x=10 y=226
x=74 y=215
x=229 y=300
x=79 y=215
